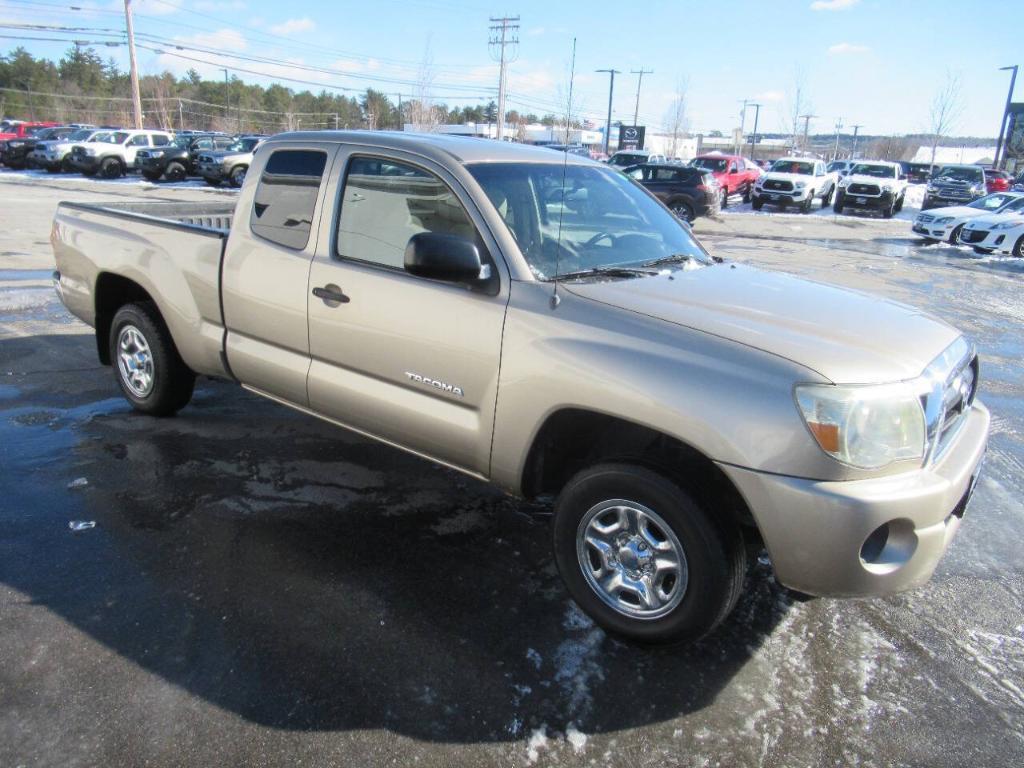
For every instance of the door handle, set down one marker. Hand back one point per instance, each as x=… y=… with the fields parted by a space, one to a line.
x=331 y=294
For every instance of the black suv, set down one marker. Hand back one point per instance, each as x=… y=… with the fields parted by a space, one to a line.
x=178 y=161
x=688 y=192
x=916 y=173
x=955 y=185
x=14 y=152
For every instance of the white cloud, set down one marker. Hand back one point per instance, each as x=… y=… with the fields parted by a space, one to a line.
x=294 y=26
x=152 y=7
x=841 y=49
x=770 y=96
x=832 y=5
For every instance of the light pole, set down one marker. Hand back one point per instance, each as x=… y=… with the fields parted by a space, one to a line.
x=611 y=91
x=1000 y=160
x=753 y=136
x=641 y=72
x=839 y=125
x=853 y=154
x=743 y=123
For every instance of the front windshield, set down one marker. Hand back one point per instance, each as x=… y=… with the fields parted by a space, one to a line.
x=878 y=171
x=961 y=174
x=100 y=136
x=80 y=135
x=789 y=166
x=577 y=217
x=710 y=163
x=993 y=202
x=243 y=145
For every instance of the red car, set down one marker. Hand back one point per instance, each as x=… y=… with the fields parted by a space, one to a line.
x=735 y=175
x=22 y=130
x=997 y=181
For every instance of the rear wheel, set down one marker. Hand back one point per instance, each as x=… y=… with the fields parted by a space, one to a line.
x=643 y=558
x=682 y=209
x=149 y=370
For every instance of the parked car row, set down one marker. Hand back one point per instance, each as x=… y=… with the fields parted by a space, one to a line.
x=111 y=153
x=991 y=224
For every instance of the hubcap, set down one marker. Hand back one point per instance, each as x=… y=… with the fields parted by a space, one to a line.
x=631 y=559
x=134 y=361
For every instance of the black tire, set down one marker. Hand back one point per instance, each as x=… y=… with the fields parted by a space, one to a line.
x=171 y=380
x=725 y=197
x=805 y=206
x=837 y=206
x=237 y=175
x=826 y=201
x=955 y=234
x=151 y=175
x=65 y=166
x=889 y=212
x=756 y=204
x=746 y=194
x=683 y=210
x=175 y=171
x=111 y=168
x=1018 y=248
x=715 y=555
x=899 y=203
x=211 y=182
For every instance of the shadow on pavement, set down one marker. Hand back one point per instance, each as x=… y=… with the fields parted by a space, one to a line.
x=308 y=579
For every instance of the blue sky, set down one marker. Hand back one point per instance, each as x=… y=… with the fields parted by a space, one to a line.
x=872 y=62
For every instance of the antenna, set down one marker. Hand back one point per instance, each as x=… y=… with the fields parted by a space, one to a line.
x=555 y=298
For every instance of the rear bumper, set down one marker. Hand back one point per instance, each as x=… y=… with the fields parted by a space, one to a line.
x=817 y=533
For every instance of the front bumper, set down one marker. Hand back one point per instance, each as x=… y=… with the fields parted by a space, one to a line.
x=933 y=200
x=777 y=197
x=932 y=231
x=867 y=202
x=995 y=240
x=815 y=530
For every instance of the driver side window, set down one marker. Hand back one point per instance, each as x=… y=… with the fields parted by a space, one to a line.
x=385 y=202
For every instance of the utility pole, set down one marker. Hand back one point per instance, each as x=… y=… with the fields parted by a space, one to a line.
x=743 y=122
x=181 y=117
x=503 y=35
x=611 y=91
x=753 y=136
x=133 y=67
x=853 y=154
x=839 y=125
x=641 y=72
x=227 y=98
x=807 y=124
x=1000 y=158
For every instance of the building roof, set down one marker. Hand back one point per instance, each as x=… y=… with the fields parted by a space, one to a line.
x=437 y=147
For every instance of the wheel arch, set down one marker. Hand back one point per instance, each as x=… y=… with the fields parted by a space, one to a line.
x=113 y=291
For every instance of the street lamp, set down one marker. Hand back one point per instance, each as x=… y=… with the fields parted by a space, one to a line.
x=1000 y=159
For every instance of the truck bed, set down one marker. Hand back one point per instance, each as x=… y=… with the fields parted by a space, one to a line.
x=172 y=252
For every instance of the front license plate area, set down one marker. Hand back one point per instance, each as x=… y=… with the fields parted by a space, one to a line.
x=861 y=200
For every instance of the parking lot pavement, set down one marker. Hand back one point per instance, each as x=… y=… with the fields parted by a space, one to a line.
x=260 y=588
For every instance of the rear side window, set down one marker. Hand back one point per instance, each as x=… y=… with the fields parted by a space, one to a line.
x=286 y=196
x=666 y=174
x=160 y=140
x=386 y=202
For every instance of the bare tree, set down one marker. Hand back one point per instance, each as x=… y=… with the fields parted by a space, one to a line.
x=422 y=111
x=797 y=103
x=676 y=122
x=946 y=108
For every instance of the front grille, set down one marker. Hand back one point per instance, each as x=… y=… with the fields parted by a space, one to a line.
x=864 y=189
x=973 y=235
x=926 y=218
x=778 y=186
x=954 y=386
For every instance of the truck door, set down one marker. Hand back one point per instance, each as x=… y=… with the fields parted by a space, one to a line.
x=409 y=360
x=266 y=268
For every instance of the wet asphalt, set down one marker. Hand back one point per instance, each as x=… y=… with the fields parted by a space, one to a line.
x=261 y=588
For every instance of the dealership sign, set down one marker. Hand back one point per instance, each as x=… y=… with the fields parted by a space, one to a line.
x=631 y=136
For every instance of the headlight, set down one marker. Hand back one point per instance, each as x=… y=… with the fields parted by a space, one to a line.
x=944 y=220
x=888 y=187
x=868 y=427
x=800 y=184
x=1007 y=225
x=931 y=189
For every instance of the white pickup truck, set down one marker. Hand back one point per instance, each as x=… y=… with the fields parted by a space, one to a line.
x=539 y=320
x=873 y=186
x=795 y=181
x=112 y=155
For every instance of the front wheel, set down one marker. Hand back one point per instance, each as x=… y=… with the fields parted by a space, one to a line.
x=643 y=558
x=149 y=370
x=725 y=198
x=899 y=203
x=826 y=201
x=954 y=236
x=837 y=206
x=175 y=172
x=237 y=176
x=805 y=207
x=1018 y=248
x=110 y=168
x=756 y=204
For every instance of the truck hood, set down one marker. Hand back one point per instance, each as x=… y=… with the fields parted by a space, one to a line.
x=863 y=179
x=846 y=336
x=793 y=177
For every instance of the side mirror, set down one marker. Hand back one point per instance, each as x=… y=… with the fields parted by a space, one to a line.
x=440 y=256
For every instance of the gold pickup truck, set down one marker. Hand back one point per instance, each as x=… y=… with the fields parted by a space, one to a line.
x=541 y=321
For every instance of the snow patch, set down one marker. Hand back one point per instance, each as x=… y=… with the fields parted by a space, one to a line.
x=538 y=740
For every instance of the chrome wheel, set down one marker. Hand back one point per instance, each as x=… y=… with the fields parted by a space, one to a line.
x=632 y=559
x=134 y=361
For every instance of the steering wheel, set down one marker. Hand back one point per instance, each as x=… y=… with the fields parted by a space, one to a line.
x=598 y=238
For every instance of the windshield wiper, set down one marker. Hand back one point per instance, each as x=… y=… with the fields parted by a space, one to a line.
x=679 y=258
x=607 y=271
